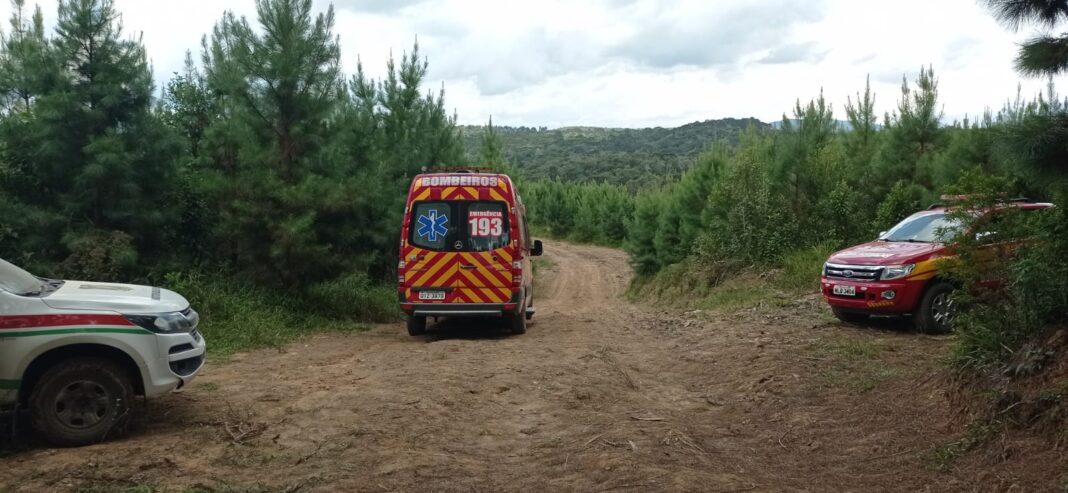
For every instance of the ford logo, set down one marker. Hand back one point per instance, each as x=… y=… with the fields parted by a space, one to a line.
x=847 y=273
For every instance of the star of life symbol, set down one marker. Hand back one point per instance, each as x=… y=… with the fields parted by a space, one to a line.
x=431 y=226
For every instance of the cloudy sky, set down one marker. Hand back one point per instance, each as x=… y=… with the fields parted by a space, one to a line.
x=637 y=63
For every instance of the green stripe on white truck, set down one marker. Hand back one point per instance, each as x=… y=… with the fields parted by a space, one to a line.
x=75 y=330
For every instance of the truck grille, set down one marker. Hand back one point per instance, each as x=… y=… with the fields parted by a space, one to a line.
x=852 y=272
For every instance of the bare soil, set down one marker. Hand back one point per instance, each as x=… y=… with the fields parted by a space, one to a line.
x=599 y=395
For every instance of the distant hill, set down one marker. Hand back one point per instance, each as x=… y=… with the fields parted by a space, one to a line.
x=617 y=155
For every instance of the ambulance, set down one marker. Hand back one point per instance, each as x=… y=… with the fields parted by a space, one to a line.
x=465 y=250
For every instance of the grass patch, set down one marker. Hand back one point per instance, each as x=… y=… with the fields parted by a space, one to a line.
x=543 y=263
x=739 y=294
x=801 y=269
x=237 y=316
x=943 y=457
x=853 y=365
x=727 y=286
x=719 y=288
x=207 y=386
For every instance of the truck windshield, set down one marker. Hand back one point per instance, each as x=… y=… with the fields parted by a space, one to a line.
x=17 y=281
x=459 y=225
x=926 y=228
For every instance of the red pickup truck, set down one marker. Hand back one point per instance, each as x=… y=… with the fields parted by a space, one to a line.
x=898 y=273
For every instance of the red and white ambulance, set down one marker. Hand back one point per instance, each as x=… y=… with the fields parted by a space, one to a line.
x=465 y=250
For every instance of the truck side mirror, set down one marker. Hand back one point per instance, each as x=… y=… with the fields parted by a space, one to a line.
x=536 y=251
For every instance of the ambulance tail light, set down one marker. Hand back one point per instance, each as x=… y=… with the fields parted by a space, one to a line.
x=517 y=274
x=400 y=272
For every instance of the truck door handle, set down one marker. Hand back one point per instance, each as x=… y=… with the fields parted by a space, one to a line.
x=468 y=267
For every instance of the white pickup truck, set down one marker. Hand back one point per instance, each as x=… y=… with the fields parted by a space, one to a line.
x=76 y=354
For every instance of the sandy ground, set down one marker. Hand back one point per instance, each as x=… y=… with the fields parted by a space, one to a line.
x=599 y=395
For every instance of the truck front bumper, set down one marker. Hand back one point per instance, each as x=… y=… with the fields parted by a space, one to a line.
x=874 y=297
x=181 y=357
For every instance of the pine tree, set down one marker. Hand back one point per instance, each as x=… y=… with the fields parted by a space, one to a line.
x=641 y=237
x=272 y=175
x=1043 y=54
x=26 y=64
x=491 y=153
x=914 y=133
x=90 y=150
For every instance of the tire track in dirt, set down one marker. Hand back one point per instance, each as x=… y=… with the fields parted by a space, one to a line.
x=599 y=394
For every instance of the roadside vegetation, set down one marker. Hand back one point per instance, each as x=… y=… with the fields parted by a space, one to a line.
x=266 y=191
x=751 y=223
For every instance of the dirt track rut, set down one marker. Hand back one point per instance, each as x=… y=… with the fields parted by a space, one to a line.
x=599 y=395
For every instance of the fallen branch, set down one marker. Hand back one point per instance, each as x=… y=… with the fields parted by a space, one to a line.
x=315 y=452
x=588 y=442
x=611 y=360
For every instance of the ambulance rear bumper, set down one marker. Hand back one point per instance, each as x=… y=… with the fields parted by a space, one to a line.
x=461 y=310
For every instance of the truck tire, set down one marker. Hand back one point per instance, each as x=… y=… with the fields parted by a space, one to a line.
x=81 y=401
x=416 y=325
x=517 y=323
x=935 y=312
x=850 y=317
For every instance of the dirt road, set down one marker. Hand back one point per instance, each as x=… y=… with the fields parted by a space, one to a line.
x=599 y=395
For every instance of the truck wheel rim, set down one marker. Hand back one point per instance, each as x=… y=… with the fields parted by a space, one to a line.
x=82 y=404
x=942 y=309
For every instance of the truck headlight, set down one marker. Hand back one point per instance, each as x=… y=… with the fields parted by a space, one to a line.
x=166 y=323
x=896 y=271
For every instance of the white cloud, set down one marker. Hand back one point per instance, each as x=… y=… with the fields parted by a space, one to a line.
x=642 y=62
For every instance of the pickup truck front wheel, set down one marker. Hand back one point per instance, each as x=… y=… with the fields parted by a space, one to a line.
x=936 y=311
x=81 y=401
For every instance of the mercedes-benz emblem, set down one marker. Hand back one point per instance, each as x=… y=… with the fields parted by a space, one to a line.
x=847 y=273
x=459 y=245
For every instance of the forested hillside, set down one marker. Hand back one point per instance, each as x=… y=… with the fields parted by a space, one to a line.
x=625 y=156
x=267 y=191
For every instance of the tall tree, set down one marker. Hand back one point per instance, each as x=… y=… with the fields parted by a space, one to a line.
x=91 y=154
x=25 y=60
x=861 y=115
x=491 y=153
x=1045 y=54
x=914 y=132
x=269 y=168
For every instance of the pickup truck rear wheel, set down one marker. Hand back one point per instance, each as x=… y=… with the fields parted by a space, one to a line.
x=416 y=325
x=936 y=310
x=81 y=401
x=850 y=317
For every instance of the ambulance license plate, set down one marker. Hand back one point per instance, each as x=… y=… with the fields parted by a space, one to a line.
x=432 y=295
x=845 y=290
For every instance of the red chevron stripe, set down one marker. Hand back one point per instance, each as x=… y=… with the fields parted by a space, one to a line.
x=488 y=271
x=480 y=280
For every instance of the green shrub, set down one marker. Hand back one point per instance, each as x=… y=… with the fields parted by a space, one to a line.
x=802 y=268
x=99 y=256
x=354 y=297
x=993 y=324
x=237 y=315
